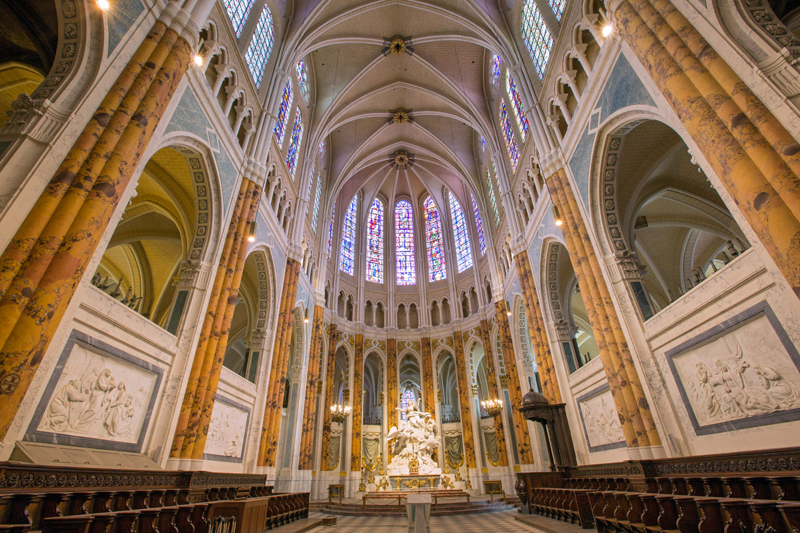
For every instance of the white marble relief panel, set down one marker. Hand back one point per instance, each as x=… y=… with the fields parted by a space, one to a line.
x=600 y=419
x=741 y=373
x=227 y=431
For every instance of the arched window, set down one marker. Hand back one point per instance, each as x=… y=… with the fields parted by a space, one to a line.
x=302 y=78
x=375 y=242
x=516 y=104
x=294 y=143
x=283 y=113
x=496 y=61
x=315 y=214
x=349 y=237
x=404 y=239
x=536 y=35
x=260 y=46
x=492 y=199
x=558 y=7
x=508 y=135
x=330 y=229
x=407 y=398
x=479 y=224
x=437 y=267
x=238 y=10
x=460 y=234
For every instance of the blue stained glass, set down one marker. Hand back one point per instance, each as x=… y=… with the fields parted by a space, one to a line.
x=348 y=249
x=302 y=77
x=283 y=113
x=406 y=399
x=516 y=104
x=315 y=214
x=492 y=198
x=460 y=234
x=404 y=249
x=238 y=10
x=508 y=135
x=496 y=61
x=294 y=143
x=536 y=35
x=437 y=266
x=479 y=223
x=375 y=242
x=330 y=229
x=260 y=46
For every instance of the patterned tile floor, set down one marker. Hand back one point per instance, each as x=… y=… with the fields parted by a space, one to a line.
x=475 y=523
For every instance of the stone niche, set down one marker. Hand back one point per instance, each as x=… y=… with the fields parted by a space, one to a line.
x=97 y=397
x=739 y=374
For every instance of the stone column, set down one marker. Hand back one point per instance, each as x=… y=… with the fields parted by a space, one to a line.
x=536 y=328
x=756 y=159
x=464 y=400
x=391 y=386
x=514 y=388
x=358 y=402
x=427 y=375
x=280 y=360
x=326 y=420
x=310 y=405
x=45 y=261
x=494 y=392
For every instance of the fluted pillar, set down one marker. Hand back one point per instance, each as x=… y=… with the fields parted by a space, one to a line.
x=514 y=387
x=494 y=392
x=330 y=376
x=464 y=400
x=427 y=376
x=310 y=405
x=270 y=429
x=358 y=402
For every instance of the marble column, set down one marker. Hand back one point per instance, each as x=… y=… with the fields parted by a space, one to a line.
x=494 y=391
x=514 y=387
x=310 y=404
x=47 y=258
x=270 y=428
x=391 y=388
x=358 y=402
x=330 y=376
x=427 y=376
x=464 y=400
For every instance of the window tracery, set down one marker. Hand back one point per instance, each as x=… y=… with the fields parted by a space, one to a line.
x=404 y=249
x=479 y=224
x=460 y=234
x=437 y=266
x=349 y=237
x=492 y=198
x=516 y=104
x=375 y=242
x=238 y=10
x=508 y=136
x=260 y=46
x=294 y=143
x=536 y=35
x=283 y=113
x=302 y=78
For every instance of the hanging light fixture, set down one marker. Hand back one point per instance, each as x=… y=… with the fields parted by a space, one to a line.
x=104 y=5
x=557 y=216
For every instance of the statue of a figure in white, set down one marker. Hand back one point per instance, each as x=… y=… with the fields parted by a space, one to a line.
x=417 y=436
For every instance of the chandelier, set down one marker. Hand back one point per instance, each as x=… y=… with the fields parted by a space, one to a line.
x=494 y=406
x=339 y=412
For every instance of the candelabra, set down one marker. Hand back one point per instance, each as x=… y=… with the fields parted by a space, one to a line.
x=494 y=406
x=339 y=412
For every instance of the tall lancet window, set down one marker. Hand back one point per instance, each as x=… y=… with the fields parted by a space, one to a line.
x=238 y=10
x=460 y=234
x=437 y=266
x=492 y=198
x=375 y=242
x=348 y=249
x=260 y=46
x=404 y=249
x=315 y=213
x=479 y=224
x=516 y=104
x=283 y=113
x=330 y=229
x=294 y=143
x=508 y=135
x=537 y=36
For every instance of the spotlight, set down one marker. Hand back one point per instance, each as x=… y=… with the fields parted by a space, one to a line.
x=251 y=237
x=607 y=29
x=198 y=59
x=103 y=4
x=508 y=313
x=557 y=216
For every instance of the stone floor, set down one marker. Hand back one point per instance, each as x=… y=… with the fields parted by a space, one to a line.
x=480 y=523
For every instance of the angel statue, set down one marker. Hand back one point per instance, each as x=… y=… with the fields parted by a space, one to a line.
x=417 y=436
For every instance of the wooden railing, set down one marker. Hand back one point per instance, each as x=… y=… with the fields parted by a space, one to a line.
x=735 y=493
x=77 y=500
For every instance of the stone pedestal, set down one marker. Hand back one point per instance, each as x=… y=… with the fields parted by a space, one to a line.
x=412 y=483
x=418 y=510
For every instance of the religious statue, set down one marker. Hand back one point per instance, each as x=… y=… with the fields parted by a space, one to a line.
x=415 y=442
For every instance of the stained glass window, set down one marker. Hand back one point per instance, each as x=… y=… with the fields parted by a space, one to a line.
x=508 y=135
x=294 y=143
x=407 y=398
x=437 y=266
x=479 y=223
x=308 y=192
x=516 y=104
x=536 y=35
x=375 y=242
x=302 y=77
x=495 y=69
x=348 y=249
x=492 y=198
x=330 y=229
x=283 y=113
x=315 y=213
x=238 y=10
x=558 y=7
x=260 y=46
x=404 y=246
x=460 y=234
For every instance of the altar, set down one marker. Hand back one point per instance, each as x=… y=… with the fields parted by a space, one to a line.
x=414 y=482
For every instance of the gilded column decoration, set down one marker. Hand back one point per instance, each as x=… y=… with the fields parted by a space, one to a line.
x=358 y=402
x=427 y=376
x=494 y=392
x=391 y=382
x=464 y=399
x=310 y=405
x=280 y=361
x=514 y=389
x=45 y=261
x=626 y=390
x=536 y=328
x=330 y=375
